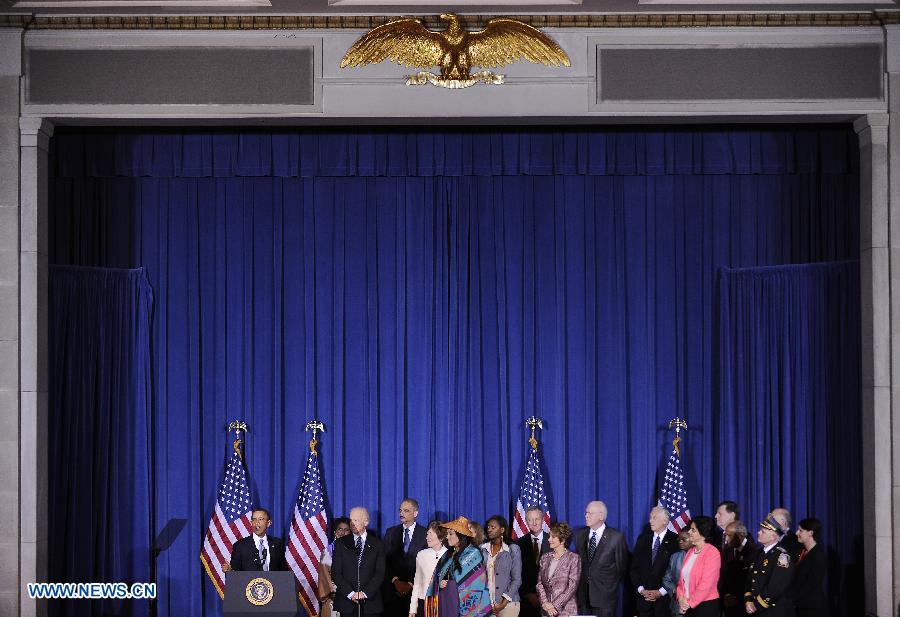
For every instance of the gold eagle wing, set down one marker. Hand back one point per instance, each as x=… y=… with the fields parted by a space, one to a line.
x=404 y=41
x=504 y=41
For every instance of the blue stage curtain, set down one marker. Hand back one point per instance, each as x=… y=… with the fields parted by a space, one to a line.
x=99 y=429
x=424 y=291
x=789 y=357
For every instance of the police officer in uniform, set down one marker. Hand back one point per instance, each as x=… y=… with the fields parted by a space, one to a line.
x=769 y=578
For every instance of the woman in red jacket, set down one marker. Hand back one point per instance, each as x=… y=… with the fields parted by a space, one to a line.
x=697 y=591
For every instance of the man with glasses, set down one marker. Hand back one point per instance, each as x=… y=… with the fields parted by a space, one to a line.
x=259 y=550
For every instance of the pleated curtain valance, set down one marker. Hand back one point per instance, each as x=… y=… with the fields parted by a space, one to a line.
x=449 y=152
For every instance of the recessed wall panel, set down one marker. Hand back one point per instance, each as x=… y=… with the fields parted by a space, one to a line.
x=753 y=73
x=186 y=75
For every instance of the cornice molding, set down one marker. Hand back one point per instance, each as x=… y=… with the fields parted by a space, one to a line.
x=342 y=22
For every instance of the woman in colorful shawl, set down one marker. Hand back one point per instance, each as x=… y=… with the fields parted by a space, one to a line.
x=459 y=585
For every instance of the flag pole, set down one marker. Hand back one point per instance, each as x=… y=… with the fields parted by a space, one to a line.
x=228 y=514
x=307 y=535
x=531 y=491
x=673 y=494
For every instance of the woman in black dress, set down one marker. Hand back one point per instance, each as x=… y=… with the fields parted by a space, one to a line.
x=812 y=565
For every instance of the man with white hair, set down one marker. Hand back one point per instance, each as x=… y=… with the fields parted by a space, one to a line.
x=649 y=562
x=357 y=568
x=604 y=562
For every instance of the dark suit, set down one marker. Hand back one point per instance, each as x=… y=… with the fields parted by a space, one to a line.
x=245 y=554
x=400 y=564
x=791 y=544
x=718 y=537
x=736 y=564
x=371 y=574
x=530 y=568
x=809 y=598
x=648 y=572
x=598 y=592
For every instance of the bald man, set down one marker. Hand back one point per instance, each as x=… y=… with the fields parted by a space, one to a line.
x=604 y=562
x=357 y=568
x=789 y=541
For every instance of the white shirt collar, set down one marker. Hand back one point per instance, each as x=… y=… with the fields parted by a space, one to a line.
x=264 y=538
x=661 y=535
x=766 y=549
x=599 y=531
x=412 y=528
x=362 y=535
x=540 y=537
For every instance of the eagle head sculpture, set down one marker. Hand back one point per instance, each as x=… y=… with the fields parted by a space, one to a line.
x=455 y=50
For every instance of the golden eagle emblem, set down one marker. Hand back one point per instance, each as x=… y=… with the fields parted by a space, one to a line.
x=408 y=42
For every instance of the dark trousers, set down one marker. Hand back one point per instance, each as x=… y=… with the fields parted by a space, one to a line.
x=599 y=611
x=526 y=609
x=660 y=608
x=395 y=604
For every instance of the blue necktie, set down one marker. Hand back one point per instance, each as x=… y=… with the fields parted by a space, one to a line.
x=262 y=560
x=655 y=549
x=406 y=540
x=592 y=547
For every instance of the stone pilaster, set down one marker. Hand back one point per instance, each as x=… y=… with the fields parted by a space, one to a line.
x=33 y=356
x=879 y=348
x=10 y=378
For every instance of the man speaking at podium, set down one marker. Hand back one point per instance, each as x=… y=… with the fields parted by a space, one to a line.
x=259 y=551
x=357 y=569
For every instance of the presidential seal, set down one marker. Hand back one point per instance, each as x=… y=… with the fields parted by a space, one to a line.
x=260 y=592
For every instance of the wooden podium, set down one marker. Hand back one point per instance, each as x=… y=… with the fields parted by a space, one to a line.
x=255 y=593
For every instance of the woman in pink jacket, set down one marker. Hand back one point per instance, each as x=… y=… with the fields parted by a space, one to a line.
x=560 y=571
x=697 y=591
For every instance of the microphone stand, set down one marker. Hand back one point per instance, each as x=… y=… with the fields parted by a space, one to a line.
x=359 y=601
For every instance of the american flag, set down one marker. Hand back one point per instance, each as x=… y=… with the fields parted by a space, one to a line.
x=673 y=496
x=531 y=493
x=230 y=521
x=307 y=538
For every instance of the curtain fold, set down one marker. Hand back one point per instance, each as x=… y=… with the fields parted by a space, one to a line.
x=453 y=152
x=100 y=464
x=424 y=315
x=790 y=396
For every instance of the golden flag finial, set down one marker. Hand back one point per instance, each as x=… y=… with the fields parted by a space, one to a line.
x=678 y=424
x=315 y=426
x=534 y=423
x=237 y=426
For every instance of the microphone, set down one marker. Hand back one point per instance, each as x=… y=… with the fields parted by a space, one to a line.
x=265 y=554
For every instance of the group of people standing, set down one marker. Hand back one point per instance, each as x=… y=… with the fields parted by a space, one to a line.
x=459 y=569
